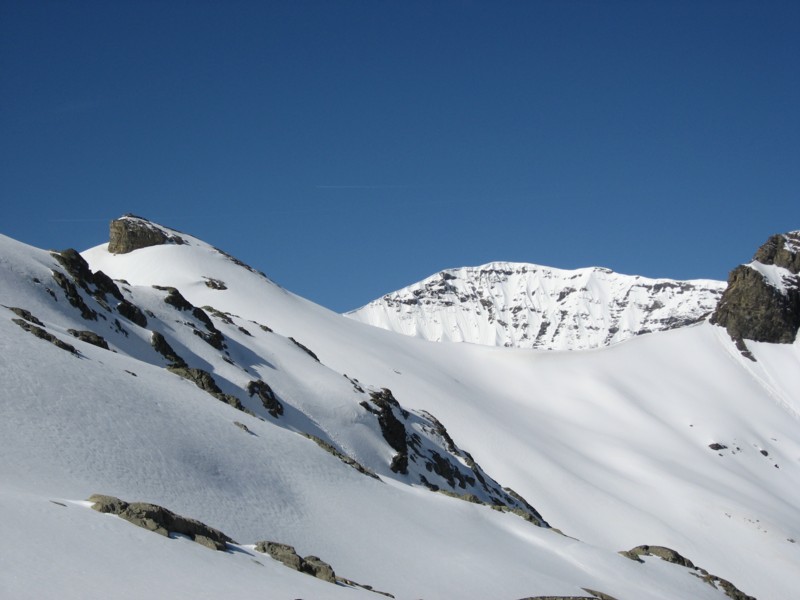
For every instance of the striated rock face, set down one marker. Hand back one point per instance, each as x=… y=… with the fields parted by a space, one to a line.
x=531 y=306
x=762 y=301
x=131 y=233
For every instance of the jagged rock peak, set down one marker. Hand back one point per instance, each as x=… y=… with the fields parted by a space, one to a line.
x=781 y=250
x=531 y=306
x=762 y=301
x=130 y=233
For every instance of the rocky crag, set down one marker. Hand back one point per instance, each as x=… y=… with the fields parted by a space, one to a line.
x=762 y=301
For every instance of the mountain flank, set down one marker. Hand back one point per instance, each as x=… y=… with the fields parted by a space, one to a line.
x=169 y=371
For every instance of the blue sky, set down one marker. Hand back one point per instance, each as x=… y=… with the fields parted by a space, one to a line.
x=349 y=148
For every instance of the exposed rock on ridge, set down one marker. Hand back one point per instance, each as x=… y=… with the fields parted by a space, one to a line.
x=671 y=556
x=762 y=301
x=131 y=233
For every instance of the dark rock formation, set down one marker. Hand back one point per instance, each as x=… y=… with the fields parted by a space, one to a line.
x=754 y=309
x=79 y=270
x=132 y=233
x=90 y=337
x=212 y=336
x=75 y=264
x=662 y=552
x=132 y=312
x=174 y=298
x=422 y=442
x=560 y=598
x=594 y=596
x=268 y=398
x=222 y=316
x=311 y=565
x=781 y=250
x=670 y=555
x=74 y=298
x=238 y=262
x=215 y=284
x=314 y=565
x=44 y=335
x=243 y=427
x=282 y=553
x=393 y=430
x=348 y=460
x=161 y=345
x=25 y=314
x=304 y=348
x=205 y=382
x=161 y=520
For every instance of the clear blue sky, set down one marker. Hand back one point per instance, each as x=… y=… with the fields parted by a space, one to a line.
x=349 y=148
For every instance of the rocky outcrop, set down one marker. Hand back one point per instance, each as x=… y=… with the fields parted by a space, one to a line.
x=96 y=284
x=90 y=337
x=594 y=596
x=268 y=398
x=73 y=297
x=781 y=250
x=41 y=333
x=311 y=565
x=161 y=345
x=304 y=349
x=426 y=454
x=132 y=312
x=25 y=314
x=132 y=233
x=161 y=520
x=762 y=301
x=205 y=382
x=348 y=460
x=393 y=430
x=671 y=556
x=212 y=336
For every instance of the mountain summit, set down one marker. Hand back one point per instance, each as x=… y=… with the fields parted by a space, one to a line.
x=530 y=306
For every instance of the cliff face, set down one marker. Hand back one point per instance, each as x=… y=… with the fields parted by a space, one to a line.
x=762 y=301
x=130 y=233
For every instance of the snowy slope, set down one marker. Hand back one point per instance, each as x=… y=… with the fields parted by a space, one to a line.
x=610 y=446
x=530 y=306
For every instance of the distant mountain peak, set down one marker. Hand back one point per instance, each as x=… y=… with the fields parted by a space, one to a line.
x=532 y=306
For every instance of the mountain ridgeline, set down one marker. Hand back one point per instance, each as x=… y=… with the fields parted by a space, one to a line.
x=160 y=369
x=531 y=306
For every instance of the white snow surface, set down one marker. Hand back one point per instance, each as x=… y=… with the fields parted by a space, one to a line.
x=792 y=241
x=611 y=446
x=530 y=306
x=780 y=278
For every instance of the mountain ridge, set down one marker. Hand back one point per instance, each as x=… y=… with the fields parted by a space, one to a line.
x=532 y=306
x=674 y=439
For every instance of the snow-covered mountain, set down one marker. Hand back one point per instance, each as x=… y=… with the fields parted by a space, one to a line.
x=530 y=306
x=167 y=372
